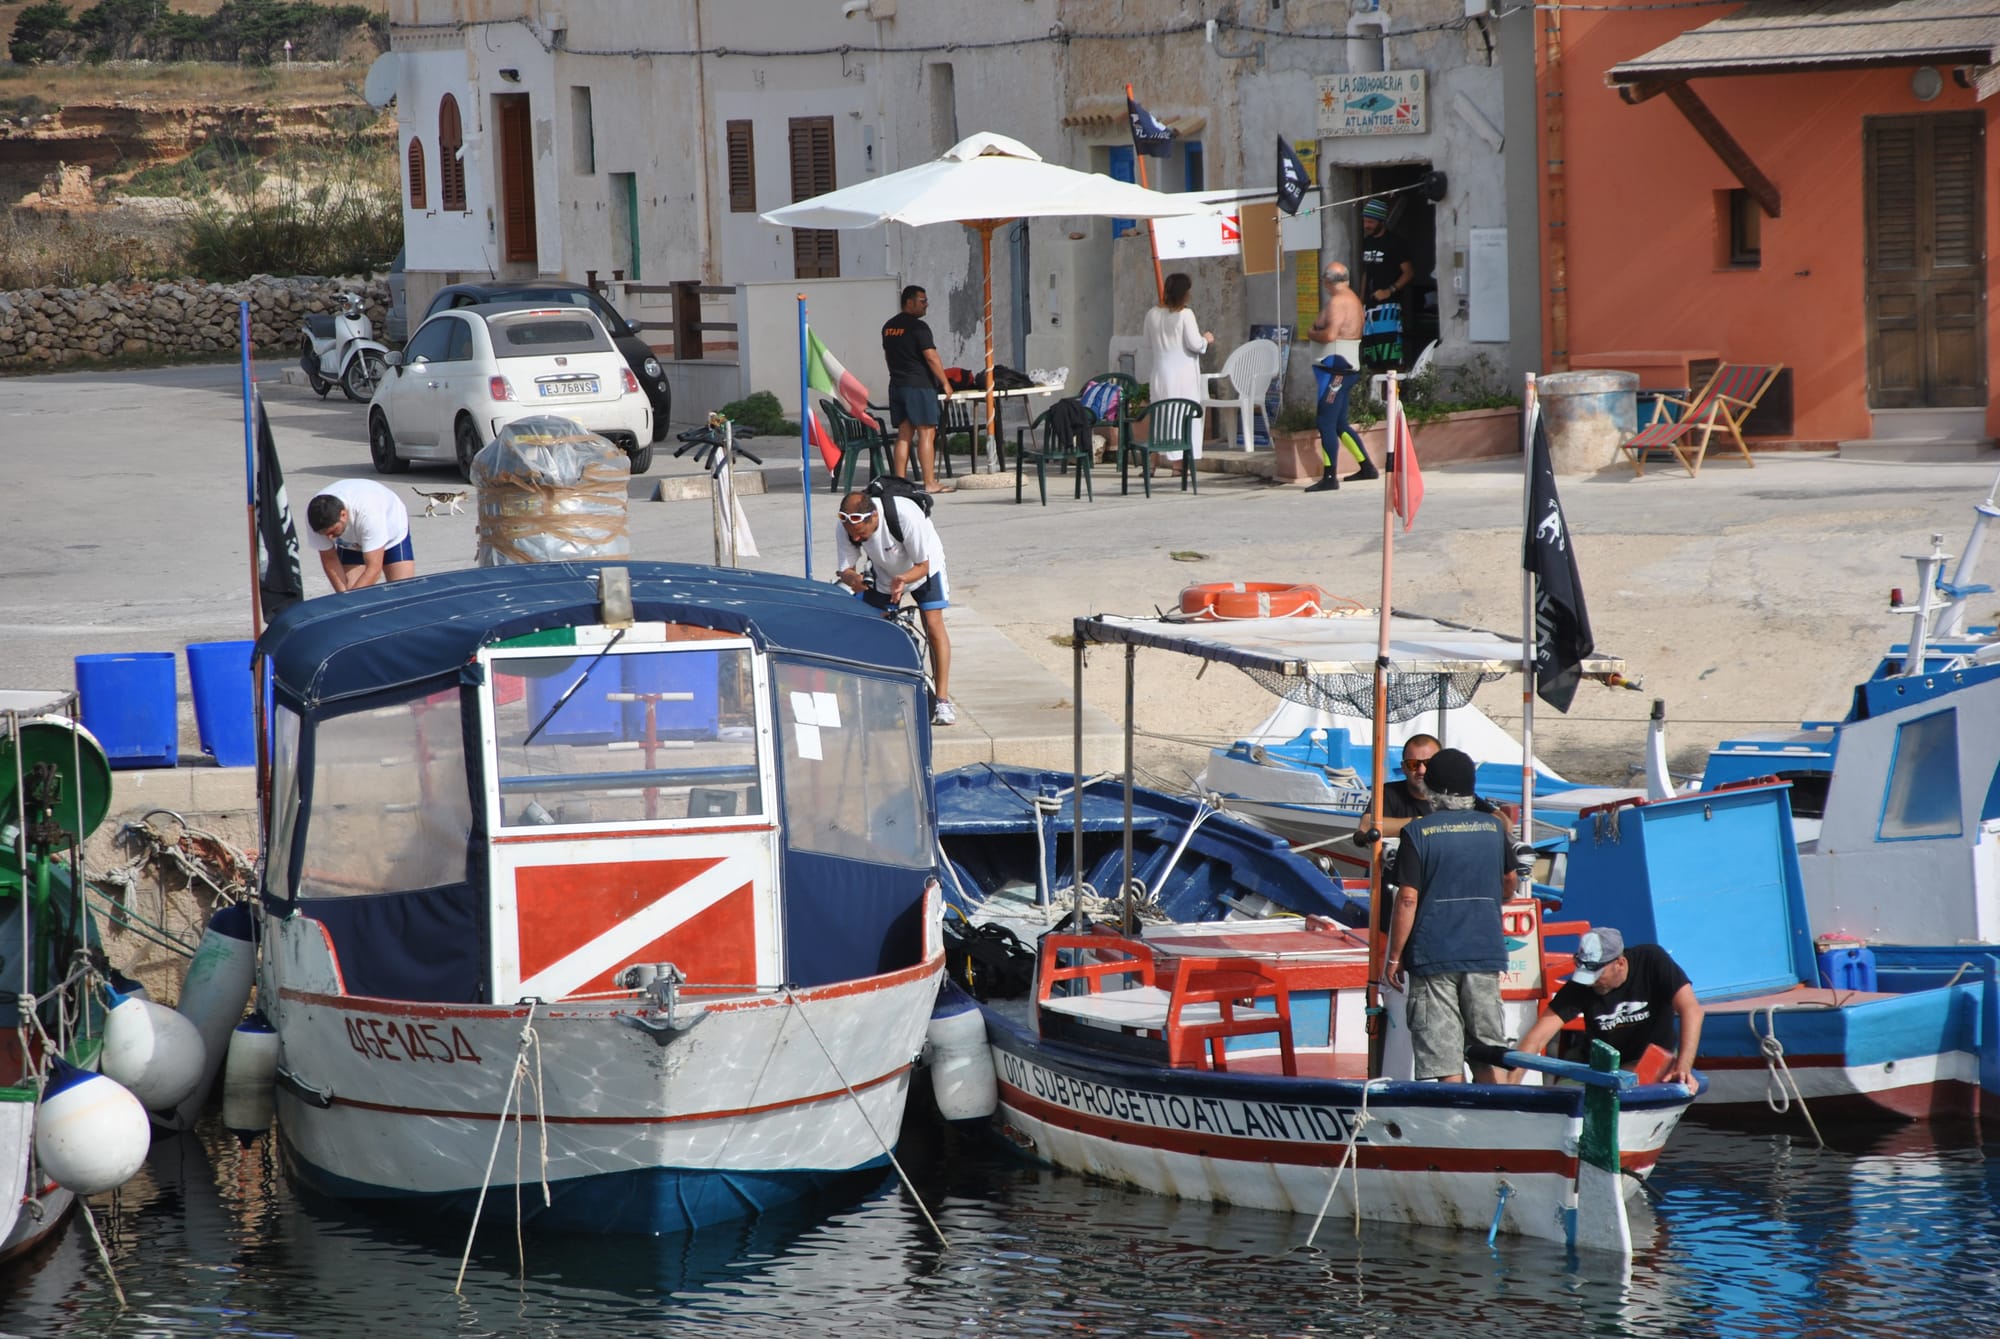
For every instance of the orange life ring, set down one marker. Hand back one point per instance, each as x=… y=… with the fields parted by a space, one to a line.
x=1225 y=600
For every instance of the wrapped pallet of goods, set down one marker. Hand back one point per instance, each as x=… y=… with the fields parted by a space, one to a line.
x=550 y=491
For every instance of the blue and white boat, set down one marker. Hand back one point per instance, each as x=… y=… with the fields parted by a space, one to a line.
x=607 y=890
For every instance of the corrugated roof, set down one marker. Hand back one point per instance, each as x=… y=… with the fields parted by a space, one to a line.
x=1775 y=36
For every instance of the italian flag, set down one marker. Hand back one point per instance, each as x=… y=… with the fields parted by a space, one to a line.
x=828 y=379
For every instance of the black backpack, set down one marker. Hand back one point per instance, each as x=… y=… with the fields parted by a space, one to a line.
x=886 y=488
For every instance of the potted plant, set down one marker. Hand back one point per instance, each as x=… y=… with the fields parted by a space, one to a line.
x=1459 y=413
x=1295 y=444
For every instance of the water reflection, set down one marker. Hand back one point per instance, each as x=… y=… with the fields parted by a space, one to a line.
x=1747 y=1235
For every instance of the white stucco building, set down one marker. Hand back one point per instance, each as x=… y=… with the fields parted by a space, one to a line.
x=639 y=140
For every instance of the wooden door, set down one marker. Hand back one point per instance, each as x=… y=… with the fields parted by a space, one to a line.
x=815 y=251
x=1926 y=259
x=517 y=177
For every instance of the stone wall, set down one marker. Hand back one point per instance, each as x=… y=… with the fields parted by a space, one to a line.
x=47 y=327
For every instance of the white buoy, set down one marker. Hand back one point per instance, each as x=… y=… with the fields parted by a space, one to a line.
x=962 y=1078
x=91 y=1134
x=213 y=998
x=249 y=1078
x=151 y=1050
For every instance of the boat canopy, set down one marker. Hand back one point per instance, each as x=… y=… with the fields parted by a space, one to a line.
x=1329 y=661
x=405 y=633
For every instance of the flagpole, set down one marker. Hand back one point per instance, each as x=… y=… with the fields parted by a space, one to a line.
x=805 y=436
x=1378 y=920
x=250 y=469
x=1530 y=407
x=1152 y=236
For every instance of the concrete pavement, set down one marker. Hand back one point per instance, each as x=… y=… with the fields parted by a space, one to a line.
x=1744 y=596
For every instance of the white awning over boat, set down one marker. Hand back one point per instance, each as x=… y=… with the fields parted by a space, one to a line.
x=1320 y=647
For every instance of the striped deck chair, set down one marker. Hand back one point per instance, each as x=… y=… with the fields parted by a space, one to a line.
x=1720 y=406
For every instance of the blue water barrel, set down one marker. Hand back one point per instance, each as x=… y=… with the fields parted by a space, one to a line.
x=129 y=704
x=225 y=704
x=677 y=672
x=1847 y=967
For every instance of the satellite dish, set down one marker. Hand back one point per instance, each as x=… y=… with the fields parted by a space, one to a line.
x=383 y=77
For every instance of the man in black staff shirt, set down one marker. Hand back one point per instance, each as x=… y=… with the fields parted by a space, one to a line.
x=1630 y=998
x=916 y=378
x=1386 y=272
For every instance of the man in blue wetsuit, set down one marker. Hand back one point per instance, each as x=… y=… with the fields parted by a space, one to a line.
x=1446 y=950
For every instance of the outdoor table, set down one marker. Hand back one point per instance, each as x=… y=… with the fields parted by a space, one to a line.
x=1023 y=394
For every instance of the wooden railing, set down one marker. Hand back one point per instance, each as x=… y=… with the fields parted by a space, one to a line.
x=686 y=325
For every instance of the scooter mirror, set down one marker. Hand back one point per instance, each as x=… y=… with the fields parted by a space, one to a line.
x=393 y=359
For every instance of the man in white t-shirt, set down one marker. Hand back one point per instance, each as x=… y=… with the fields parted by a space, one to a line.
x=362 y=533
x=912 y=565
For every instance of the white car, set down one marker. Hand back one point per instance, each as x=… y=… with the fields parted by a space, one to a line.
x=469 y=372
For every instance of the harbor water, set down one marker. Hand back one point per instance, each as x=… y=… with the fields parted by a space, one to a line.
x=1743 y=1235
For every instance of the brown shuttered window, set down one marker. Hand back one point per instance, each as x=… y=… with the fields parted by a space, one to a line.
x=815 y=251
x=742 y=168
x=517 y=177
x=451 y=156
x=415 y=172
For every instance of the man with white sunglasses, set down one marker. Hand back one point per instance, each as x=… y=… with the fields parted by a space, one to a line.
x=911 y=563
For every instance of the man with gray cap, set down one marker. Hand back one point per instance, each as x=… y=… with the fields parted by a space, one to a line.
x=1456 y=867
x=1630 y=997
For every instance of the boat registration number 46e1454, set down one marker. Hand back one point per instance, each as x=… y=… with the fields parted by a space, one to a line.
x=576 y=386
x=406 y=1040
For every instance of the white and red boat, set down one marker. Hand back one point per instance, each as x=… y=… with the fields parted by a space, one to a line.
x=603 y=890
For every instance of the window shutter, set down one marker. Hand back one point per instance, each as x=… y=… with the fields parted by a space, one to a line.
x=451 y=156
x=1956 y=163
x=815 y=251
x=517 y=178
x=1892 y=151
x=742 y=168
x=415 y=173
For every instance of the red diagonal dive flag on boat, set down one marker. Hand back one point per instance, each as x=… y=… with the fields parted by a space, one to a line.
x=1406 y=481
x=828 y=377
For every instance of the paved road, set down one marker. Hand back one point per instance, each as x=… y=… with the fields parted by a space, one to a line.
x=1740 y=596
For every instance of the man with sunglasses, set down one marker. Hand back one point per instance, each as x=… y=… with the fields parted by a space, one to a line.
x=912 y=565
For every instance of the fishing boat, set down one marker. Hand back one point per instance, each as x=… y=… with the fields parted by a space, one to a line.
x=604 y=888
x=65 y=1129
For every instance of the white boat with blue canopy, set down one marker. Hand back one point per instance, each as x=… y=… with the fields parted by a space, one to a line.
x=603 y=889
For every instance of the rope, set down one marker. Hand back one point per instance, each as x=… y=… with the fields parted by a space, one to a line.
x=1780 y=1087
x=856 y=1098
x=1361 y=1122
x=103 y=1255
x=528 y=1038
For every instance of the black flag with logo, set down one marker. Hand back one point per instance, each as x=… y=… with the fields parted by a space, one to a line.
x=1150 y=136
x=278 y=575
x=1292 y=181
x=1562 y=624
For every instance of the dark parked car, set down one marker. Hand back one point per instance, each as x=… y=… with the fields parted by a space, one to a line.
x=644 y=362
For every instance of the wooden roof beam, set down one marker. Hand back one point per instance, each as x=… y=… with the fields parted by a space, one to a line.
x=1734 y=157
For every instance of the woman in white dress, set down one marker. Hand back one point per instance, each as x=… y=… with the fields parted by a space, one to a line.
x=1177 y=342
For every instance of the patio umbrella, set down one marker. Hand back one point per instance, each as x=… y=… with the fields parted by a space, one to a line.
x=983 y=182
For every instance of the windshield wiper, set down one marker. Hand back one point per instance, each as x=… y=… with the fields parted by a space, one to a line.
x=570 y=692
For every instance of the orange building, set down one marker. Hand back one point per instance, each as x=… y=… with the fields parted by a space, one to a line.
x=1795 y=183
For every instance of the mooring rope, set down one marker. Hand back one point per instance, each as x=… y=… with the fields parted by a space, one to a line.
x=1781 y=1088
x=529 y=1037
x=887 y=1151
x=1361 y=1122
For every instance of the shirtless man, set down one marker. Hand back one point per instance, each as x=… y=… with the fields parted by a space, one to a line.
x=1339 y=325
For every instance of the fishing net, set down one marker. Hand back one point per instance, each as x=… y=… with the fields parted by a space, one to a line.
x=1410 y=695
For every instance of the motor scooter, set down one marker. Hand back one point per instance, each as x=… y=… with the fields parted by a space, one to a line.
x=341 y=349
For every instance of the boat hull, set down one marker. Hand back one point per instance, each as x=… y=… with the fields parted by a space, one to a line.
x=28 y=1213
x=1440 y=1155
x=633 y=1125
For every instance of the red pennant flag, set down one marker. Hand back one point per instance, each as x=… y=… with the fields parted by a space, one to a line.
x=1406 y=481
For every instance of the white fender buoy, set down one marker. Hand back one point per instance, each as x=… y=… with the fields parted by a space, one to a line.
x=962 y=1078
x=250 y=1077
x=151 y=1050
x=91 y=1134
x=213 y=998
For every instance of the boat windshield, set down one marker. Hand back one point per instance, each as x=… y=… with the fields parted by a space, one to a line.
x=629 y=737
x=853 y=771
x=391 y=811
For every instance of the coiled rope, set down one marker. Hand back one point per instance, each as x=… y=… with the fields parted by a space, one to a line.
x=1781 y=1088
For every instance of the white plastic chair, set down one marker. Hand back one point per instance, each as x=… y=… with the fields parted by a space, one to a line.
x=1378 y=385
x=1249 y=371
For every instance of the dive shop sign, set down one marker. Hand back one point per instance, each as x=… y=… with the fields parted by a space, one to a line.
x=1381 y=102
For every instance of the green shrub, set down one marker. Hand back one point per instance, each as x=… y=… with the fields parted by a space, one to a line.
x=1297 y=417
x=341 y=223
x=760 y=412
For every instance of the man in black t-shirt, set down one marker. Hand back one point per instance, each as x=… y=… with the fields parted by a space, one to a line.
x=916 y=377
x=1629 y=997
x=1386 y=272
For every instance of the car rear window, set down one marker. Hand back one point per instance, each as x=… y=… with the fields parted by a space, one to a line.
x=532 y=336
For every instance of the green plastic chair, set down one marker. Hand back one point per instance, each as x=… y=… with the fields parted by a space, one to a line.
x=957 y=419
x=1062 y=434
x=1172 y=430
x=1128 y=389
x=853 y=436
